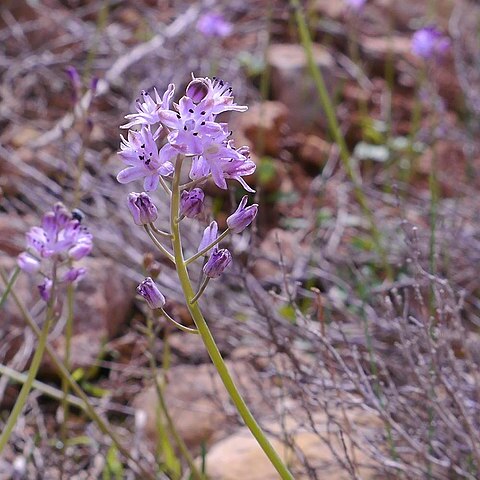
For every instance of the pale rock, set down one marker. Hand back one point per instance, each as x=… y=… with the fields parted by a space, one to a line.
x=240 y=457
x=292 y=82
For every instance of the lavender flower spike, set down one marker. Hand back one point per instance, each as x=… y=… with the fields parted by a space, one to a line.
x=142 y=208
x=150 y=292
x=191 y=203
x=242 y=217
x=429 y=42
x=213 y=24
x=219 y=260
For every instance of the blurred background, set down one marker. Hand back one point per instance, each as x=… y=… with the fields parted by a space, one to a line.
x=351 y=314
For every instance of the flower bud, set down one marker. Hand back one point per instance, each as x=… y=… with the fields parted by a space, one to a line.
x=27 y=263
x=74 y=274
x=81 y=249
x=150 y=292
x=210 y=234
x=142 y=208
x=197 y=90
x=219 y=260
x=242 y=217
x=45 y=289
x=191 y=203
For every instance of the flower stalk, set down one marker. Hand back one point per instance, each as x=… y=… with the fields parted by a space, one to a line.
x=207 y=337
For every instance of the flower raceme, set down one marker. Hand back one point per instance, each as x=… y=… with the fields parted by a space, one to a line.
x=61 y=239
x=430 y=43
x=190 y=129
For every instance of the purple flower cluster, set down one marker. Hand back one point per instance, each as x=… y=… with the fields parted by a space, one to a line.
x=213 y=24
x=160 y=133
x=190 y=129
x=430 y=43
x=61 y=239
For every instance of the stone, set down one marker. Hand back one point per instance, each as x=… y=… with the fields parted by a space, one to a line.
x=199 y=404
x=263 y=126
x=239 y=455
x=314 y=151
x=292 y=82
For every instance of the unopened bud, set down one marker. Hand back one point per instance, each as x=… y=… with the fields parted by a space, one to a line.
x=197 y=90
x=210 y=234
x=242 y=217
x=142 y=208
x=191 y=203
x=219 y=260
x=150 y=292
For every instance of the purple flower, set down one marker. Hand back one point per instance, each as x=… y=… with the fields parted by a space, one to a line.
x=150 y=292
x=141 y=154
x=210 y=234
x=429 y=42
x=147 y=111
x=28 y=263
x=356 y=4
x=45 y=289
x=191 y=203
x=59 y=234
x=74 y=274
x=213 y=24
x=61 y=238
x=242 y=217
x=219 y=260
x=142 y=208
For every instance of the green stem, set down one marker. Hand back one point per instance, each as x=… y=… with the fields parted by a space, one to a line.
x=208 y=339
x=163 y=405
x=66 y=361
x=336 y=132
x=43 y=388
x=178 y=325
x=202 y=288
x=9 y=286
x=207 y=248
x=90 y=409
x=27 y=386
x=158 y=244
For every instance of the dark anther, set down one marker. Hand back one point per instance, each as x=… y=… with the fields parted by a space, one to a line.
x=195 y=134
x=78 y=215
x=179 y=116
x=141 y=157
x=190 y=110
x=185 y=128
x=203 y=123
x=203 y=113
x=142 y=145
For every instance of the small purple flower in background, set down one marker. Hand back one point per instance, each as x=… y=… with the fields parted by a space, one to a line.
x=151 y=293
x=219 y=260
x=142 y=208
x=242 y=217
x=429 y=43
x=213 y=24
x=61 y=239
x=191 y=203
x=355 y=4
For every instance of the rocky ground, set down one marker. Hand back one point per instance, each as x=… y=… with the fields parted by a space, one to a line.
x=329 y=338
